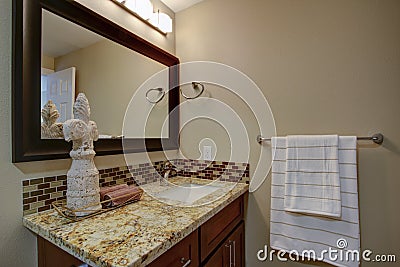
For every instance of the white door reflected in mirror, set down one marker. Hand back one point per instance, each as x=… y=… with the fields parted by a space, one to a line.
x=59 y=87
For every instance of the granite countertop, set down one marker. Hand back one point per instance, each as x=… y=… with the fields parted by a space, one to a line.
x=136 y=234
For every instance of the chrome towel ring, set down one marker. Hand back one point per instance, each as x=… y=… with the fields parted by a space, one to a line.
x=195 y=86
x=159 y=89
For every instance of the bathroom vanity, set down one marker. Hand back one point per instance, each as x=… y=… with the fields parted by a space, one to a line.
x=147 y=233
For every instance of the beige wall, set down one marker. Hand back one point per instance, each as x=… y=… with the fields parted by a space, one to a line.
x=325 y=67
x=17 y=244
x=47 y=62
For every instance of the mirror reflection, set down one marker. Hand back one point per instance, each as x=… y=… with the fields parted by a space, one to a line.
x=107 y=72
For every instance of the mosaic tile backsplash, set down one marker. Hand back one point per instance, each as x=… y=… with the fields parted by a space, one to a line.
x=212 y=170
x=39 y=193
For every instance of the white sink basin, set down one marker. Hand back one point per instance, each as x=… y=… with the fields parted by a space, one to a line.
x=188 y=193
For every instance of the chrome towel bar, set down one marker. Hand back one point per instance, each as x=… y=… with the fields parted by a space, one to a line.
x=376 y=138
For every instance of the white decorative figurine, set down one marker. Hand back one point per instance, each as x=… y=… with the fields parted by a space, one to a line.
x=83 y=191
x=50 y=128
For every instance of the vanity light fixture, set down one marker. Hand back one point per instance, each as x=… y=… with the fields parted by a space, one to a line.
x=143 y=9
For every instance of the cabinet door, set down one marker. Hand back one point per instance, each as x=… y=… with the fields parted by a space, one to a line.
x=235 y=244
x=220 y=257
x=231 y=252
x=50 y=255
x=185 y=253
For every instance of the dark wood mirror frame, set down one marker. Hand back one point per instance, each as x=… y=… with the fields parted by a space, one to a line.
x=26 y=96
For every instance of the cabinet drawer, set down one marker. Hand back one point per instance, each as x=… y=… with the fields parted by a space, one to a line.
x=181 y=254
x=214 y=231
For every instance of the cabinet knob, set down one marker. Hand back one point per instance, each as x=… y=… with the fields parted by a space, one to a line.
x=185 y=262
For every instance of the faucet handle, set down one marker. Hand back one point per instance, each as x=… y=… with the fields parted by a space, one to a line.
x=168 y=165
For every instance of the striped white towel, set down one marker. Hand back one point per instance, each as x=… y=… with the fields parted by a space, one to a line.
x=312 y=182
x=295 y=231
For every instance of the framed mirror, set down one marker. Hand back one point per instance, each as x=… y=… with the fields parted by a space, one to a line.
x=101 y=59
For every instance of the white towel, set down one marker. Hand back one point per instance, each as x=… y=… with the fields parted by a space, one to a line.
x=312 y=182
x=295 y=231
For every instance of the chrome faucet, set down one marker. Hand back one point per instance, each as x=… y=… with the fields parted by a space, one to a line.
x=167 y=170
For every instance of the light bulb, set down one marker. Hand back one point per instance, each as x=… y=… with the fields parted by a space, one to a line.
x=161 y=21
x=144 y=8
x=130 y=4
x=154 y=19
x=165 y=22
